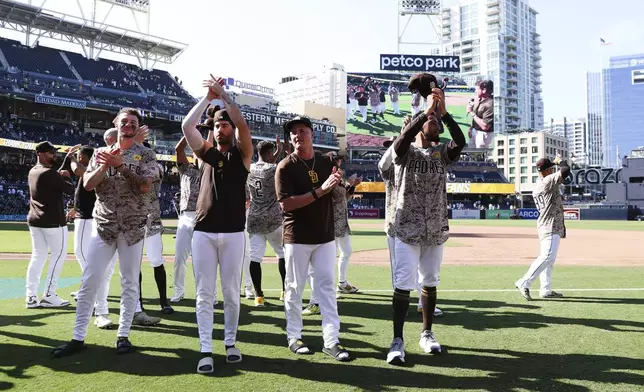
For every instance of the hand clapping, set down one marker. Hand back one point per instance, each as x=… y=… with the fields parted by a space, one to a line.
x=334 y=179
x=109 y=158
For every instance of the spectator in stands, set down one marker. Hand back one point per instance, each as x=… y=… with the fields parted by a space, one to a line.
x=482 y=111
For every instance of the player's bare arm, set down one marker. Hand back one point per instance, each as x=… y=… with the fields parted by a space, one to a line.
x=242 y=133
x=189 y=124
x=298 y=201
x=93 y=178
x=180 y=149
x=279 y=145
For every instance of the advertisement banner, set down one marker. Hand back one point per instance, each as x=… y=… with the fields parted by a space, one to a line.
x=452 y=187
x=268 y=118
x=370 y=213
x=422 y=63
x=498 y=214
x=528 y=213
x=13 y=217
x=572 y=214
x=59 y=101
x=466 y=214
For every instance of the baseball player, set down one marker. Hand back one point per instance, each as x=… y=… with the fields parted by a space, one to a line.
x=264 y=216
x=121 y=175
x=550 y=227
x=249 y=292
x=393 y=97
x=47 y=226
x=420 y=225
x=388 y=175
x=303 y=182
x=218 y=239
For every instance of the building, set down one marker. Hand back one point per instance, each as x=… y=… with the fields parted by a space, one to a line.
x=517 y=155
x=326 y=87
x=574 y=130
x=615 y=105
x=499 y=38
x=630 y=187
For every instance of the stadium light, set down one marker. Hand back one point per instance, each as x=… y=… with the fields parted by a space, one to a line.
x=419 y=7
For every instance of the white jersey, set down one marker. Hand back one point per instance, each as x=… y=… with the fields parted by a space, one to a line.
x=548 y=201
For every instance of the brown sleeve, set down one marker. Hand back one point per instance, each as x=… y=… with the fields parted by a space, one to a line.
x=56 y=181
x=283 y=182
x=488 y=113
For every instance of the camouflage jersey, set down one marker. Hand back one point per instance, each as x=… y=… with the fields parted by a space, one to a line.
x=340 y=210
x=548 y=201
x=190 y=177
x=155 y=226
x=119 y=209
x=387 y=171
x=265 y=213
x=420 y=216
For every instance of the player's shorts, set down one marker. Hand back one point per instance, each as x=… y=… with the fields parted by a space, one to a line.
x=258 y=245
x=413 y=264
x=154 y=249
x=483 y=139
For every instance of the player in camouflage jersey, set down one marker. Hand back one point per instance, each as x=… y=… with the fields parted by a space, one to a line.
x=420 y=226
x=264 y=215
x=550 y=227
x=122 y=175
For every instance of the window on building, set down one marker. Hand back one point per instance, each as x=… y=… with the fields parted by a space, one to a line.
x=511 y=179
x=534 y=140
x=524 y=170
x=534 y=179
x=512 y=170
x=535 y=149
x=500 y=151
x=511 y=151
x=523 y=141
x=524 y=179
x=534 y=169
x=511 y=162
x=511 y=142
x=500 y=161
x=500 y=143
x=524 y=150
x=523 y=160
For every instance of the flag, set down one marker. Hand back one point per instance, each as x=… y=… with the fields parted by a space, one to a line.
x=602 y=42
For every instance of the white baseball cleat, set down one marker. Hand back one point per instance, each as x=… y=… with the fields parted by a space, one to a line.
x=32 y=302
x=102 y=322
x=429 y=343
x=250 y=293
x=53 y=301
x=396 y=354
x=177 y=298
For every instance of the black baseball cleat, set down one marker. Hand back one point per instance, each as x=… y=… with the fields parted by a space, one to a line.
x=67 y=349
x=123 y=346
x=167 y=309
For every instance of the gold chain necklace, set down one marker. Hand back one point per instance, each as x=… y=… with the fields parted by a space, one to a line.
x=312 y=174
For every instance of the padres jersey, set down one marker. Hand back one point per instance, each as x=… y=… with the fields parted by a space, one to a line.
x=548 y=200
x=154 y=215
x=265 y=213
x=190 y=177
x=420 y=216
x=387 y=171
x=119 y=209
x=340 y=210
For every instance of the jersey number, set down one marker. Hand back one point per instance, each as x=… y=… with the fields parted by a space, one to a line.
x=258 y=189
x=540 y=202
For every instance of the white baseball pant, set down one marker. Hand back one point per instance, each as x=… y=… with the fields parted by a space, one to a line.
x=209 y=251
x=391 y=246
x=415 y=264
x=349 y=112
x=321 y=259
x=542 y=266
x=99 y=256
x=82 y=240
x=472 y=142
x=396 y=106
x=363 y=111
x=258 y=245
x=375 y=109
x=414 y=110
x=183 y=249
x=344 y=246
x=43 y=241
x=154 y=249
x=483 y=139
x=383 y=107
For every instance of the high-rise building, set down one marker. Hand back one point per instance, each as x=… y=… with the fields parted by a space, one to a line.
x=517 y=153
x=573 y=130
x=326 y=87
x=499 y=39
x=615 y=103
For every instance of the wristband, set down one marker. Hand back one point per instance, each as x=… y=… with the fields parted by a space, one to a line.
x=315 y=195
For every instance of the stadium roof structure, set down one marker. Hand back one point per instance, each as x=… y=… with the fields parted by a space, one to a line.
x=39 y=22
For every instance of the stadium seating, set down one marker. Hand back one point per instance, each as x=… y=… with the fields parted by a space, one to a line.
x=39 y=59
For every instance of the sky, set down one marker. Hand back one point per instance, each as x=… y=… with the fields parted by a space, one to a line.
x=261 y=41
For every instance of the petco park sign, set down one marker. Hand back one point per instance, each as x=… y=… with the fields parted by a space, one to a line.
x=422 y=63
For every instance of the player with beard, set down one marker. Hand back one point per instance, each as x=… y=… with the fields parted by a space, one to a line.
x=420 y=226
x=219 y=239
x=265 y=215
x=47 y=225
x=121 y=175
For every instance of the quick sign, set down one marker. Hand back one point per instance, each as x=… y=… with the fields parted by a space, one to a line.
x=249 y=86
x=422 y=63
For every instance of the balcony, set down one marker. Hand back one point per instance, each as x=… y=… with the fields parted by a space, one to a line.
x=511 y=60
x=493 y=19
x=536 y=56
x=493 y=10
x=492 y=2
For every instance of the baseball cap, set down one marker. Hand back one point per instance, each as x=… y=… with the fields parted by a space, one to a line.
x=208 y=124
x=544 y=164
x=46 y=146
x=423 y=83
x=389 y=141
x=297 y=120
x=222 y=115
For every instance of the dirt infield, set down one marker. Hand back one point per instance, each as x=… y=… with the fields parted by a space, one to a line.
x=519 y=245
x=504 y=246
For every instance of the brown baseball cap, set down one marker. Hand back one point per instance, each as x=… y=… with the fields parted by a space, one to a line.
x=46 y=146
x=297 y=120
x=222 y=115
x=423 y=83
x=209 y=124
x=389 y=142
x=544 y=164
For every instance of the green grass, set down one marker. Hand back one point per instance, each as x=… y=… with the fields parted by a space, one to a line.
x=495 y=341
x=393 y=122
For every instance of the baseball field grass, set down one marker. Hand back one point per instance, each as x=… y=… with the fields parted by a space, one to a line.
x=590 y=340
